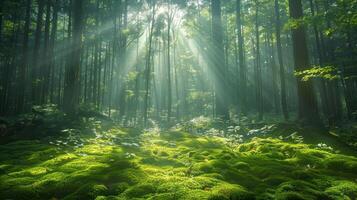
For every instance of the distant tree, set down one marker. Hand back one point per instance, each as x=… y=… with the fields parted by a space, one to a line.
x=148 y=63
x=36 y=64
x=242 y=66
x=257 y=69
x=24 y=60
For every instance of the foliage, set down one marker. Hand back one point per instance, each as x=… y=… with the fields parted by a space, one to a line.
x=327 y=73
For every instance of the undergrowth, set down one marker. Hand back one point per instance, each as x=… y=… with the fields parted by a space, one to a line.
x=191 y=161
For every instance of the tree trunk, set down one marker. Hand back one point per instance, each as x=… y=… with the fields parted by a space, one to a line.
x=258 y=70
x=281 y=63
x=308 y=111
x=72 y=70
x=169 y=93
x=148 y=65
x=273 y=71
x=46 y=61
x=219 y=70
x=35 y=64
x=242 y=67
x=52 y=48
x=24 y=63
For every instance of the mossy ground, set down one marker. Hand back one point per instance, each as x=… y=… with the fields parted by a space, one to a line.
x=130 y=164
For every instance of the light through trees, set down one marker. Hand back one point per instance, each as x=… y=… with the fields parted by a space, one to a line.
x=143 y=62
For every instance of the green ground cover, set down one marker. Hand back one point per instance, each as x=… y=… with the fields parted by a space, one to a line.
x=181 y=163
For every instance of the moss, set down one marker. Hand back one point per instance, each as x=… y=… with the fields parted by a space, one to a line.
x=89 y=191
x=214 y=175
x=38 y=171
x=311 y=157
x=97 y=190
x=95 y=149
x=164 y=153
x=118 y=188
x=165 y=196
x=241 y=166
x=205 y=143
x=200 y=182
x=341 y=163
x=61 y=159
x=229 y=192
x=342 y=190
x=291 y=196
x=299 y=188
x=240 y=177
x=304 y=174
x=194 y=195
x=8 y=181
x=140 y=190
x=158 y=161
x=175 y=165
x=175 y=135
x=206 y=167
x=21 y=192
x=275 y=180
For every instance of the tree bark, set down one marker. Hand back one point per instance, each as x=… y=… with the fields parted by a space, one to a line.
x=35 y=64
x=308 y=111
x=72 y=70
x=148 y=65
x=258 y=70
x=24 y=62
x=281 y=63
x=219 y=67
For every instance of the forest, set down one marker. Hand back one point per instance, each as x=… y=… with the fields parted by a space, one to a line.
x=178 y=99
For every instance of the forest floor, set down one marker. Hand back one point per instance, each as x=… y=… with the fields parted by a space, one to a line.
x=95 y=159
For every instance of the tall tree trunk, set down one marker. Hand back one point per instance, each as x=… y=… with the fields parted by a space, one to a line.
x=36 y=66
x=273 y=71
x=24 y=63
x=308 y=111
x=220 y=69
x=1 y=21
x=123 y=48
x=322 y=83
x=258 y=70
x=46 y=61
x=52 y=48
x=169 y=93
x=72 y=70
x=116 y=5
x=281 y=63
x=148 y=65
x=137 y=78
x=242 y=67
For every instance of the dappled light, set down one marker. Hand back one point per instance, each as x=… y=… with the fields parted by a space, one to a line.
x=178 y=99
x=175 y=164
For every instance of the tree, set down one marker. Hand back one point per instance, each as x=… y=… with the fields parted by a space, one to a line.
x=280 y=59
x=71 y=86
x=148 y=64
x=24 y=63
x=219 y=68
x=257 y=69
x=242 y=66
x=170 y=15
x=36 y=65
x=308 y=111
x=51 y=72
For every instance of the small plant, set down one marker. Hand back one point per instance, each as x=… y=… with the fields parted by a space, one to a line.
x=324 y=146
